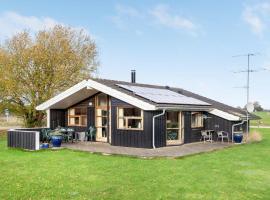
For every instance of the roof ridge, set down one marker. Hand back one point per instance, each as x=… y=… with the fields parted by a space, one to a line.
x=129 y=83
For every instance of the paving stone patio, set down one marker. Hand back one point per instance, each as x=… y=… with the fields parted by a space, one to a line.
x=170 y=151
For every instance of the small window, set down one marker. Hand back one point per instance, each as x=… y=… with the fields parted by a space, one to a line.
x=77 y=117
x=196 y=120
x=130 y=118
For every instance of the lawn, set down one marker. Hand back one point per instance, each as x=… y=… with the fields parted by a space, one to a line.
x=265 y=121
x=239 y=172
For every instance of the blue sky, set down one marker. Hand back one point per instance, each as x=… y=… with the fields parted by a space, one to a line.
x=188 y=43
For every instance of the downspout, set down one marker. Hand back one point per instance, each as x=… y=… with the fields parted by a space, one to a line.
x=234 y=125
x=153 y=133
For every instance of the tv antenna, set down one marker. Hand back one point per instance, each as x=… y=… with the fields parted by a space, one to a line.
x=247 y=87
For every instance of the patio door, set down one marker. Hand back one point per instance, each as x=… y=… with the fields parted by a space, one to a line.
x=174 y=128
x=102 y=117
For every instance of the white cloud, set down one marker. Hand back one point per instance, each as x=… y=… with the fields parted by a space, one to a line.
x=128 y=18
x=257 y=17
x=127 y=11
x=12 y=23
x=163 y=16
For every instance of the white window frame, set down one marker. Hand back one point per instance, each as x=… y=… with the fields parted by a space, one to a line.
x=79 y=116
x=199 y=122
x=126 y=118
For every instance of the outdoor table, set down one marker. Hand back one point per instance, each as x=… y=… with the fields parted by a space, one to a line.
x=66 y=131
x=210 y=133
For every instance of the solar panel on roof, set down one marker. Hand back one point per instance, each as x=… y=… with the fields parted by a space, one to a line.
x=158 y=95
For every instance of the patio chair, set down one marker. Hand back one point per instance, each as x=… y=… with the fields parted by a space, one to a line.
x=90 y=133
x=222 y=134
x=69 y=134
x=205 y=136
x=45 y=134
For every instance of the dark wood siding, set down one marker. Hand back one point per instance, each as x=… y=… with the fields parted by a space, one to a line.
x=137 y=138
x=218 y=124
x=57 y=118
x=212 y=122
x=190 y=134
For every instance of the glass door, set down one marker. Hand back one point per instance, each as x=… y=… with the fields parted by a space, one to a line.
x=174 y=128
x=102 y=117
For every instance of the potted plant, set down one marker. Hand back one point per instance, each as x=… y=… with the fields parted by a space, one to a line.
x=56 y=138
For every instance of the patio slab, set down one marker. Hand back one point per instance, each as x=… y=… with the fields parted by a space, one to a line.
x=169 y=151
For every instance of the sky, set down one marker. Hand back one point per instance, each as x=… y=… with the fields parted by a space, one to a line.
x=189 y=44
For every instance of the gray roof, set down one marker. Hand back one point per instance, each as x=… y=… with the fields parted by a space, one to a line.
x=210 y=103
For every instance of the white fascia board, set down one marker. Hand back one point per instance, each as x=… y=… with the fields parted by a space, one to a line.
x=120 y=95
x=63 y=95
x=224 y=115
x=48 y=113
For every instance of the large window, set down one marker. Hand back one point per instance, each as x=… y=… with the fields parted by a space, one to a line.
x=196 y=120
x=102 y=116
x=77 y=116
x=130 y=118
x=172 y=123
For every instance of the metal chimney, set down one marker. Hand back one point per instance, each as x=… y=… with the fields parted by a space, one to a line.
x=133 y=76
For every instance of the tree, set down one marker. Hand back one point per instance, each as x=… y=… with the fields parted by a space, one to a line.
x=257 y=106
x=33 y=69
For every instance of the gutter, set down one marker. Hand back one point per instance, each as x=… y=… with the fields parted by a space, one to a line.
x=234 y=125
x=153 y=129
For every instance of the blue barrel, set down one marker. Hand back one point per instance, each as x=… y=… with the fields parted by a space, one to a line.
x=56 y=140
x=238 y=138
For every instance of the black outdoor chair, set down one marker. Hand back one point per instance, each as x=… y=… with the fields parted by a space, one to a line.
x=90 y=134
x=45 y=134
x=69 y=134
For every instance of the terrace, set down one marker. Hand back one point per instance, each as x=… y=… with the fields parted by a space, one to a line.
x=169 y=151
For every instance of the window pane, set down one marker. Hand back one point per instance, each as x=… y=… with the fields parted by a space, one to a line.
x=172 y=134
x=74 y=121
x=196 y=119
x=72 y=111
x=104 y=112
x=172 y=119
x=78 y=111
x=71 y=120
x=136 y=112
x=104 y=132
x=102 y=100
x=130 y=118
x=104 y=121
x=77 y=120
x=135 y=123
x=120 y=112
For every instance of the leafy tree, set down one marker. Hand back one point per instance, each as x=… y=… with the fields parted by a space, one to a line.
x=257 y=106
x=33 y=69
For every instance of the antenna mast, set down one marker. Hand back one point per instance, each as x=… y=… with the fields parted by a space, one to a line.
x=248 y=71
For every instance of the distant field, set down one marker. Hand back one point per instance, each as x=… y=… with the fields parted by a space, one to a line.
x=13 y=121
x=265 y=121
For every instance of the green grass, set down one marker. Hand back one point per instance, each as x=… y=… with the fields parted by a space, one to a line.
x=265 y=121
x=239 y=172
